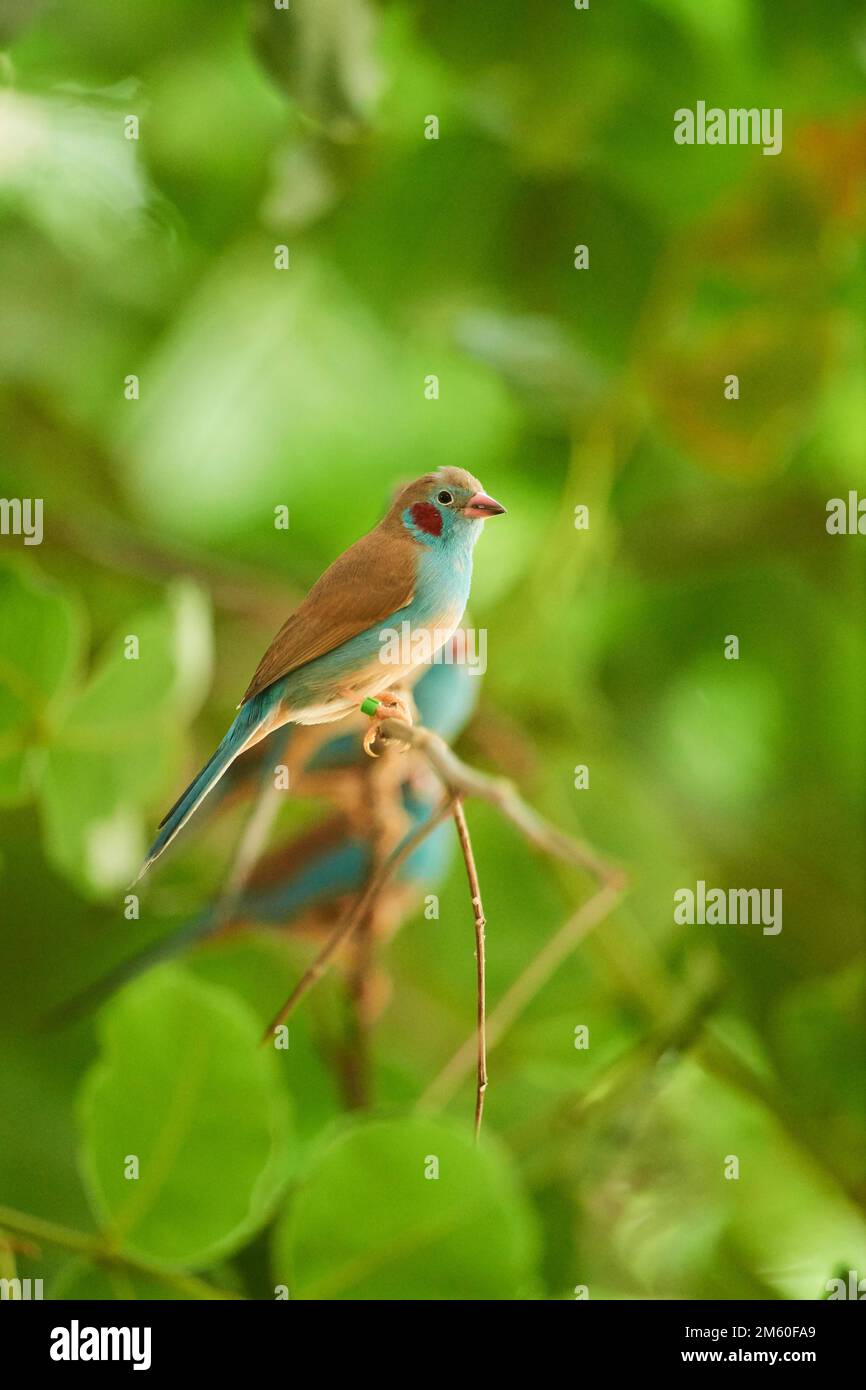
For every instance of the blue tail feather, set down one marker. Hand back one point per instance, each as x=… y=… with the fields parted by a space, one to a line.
x=249 y=718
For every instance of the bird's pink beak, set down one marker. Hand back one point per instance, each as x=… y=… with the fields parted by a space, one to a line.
x=481 y=506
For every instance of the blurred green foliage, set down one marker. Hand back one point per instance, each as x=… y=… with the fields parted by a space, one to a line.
x=154 y=257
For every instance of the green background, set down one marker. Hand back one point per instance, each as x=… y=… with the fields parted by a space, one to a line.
x=601 y=387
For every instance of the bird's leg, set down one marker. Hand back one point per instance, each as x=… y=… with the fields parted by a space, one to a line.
x=379 y=707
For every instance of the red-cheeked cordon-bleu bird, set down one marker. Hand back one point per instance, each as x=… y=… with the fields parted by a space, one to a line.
x=414 y=568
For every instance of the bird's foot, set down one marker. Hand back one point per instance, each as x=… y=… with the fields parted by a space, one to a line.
x=379 y=707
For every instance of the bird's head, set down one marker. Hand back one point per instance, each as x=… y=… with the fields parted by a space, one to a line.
x=442 y=506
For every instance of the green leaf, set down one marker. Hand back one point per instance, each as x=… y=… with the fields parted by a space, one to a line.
x=170 y=673
x=80 y=186
x=40 y=644
x=40 y=641
x=183 y=1085
x=367 y=1223
x=322 y=54
x=111 y=754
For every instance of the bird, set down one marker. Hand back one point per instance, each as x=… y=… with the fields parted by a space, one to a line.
x=409 y=578
x=306 y=885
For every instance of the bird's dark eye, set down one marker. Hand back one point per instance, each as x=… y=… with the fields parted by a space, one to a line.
x=444 y=497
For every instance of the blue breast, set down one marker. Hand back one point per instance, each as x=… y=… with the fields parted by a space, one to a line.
x=441 y=592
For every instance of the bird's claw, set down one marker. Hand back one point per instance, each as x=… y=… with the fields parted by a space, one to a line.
x=388 y=706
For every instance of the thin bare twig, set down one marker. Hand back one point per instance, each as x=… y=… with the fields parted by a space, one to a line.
x=462 y=780
x=525 y=987
x=361 y=907
x=480 y=923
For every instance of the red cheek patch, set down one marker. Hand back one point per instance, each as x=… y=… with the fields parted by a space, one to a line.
x=427 y=518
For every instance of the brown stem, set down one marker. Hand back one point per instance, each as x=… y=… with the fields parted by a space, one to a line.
x=525 y=987
x=462 y=780
x=480 y=922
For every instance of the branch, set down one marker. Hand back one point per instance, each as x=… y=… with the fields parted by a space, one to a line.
x=478 y=910
x=95 y=1248
x=461 y=780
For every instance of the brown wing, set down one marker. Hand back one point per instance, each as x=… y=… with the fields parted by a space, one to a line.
x=371 y=580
